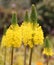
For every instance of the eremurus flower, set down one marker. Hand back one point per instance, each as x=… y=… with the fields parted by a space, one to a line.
x=48 y=51
x=13 y=35
x=32 y=33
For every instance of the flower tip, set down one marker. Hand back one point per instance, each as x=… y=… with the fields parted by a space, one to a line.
x=13 y=12
x=46 y=37
x=33 y=5
x=26 y=17
x=26 y=11
x=14 y=17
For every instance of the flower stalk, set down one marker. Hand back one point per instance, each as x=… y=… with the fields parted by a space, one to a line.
x=12 y=52
x=30 y=59
x=25 y=56
x=26 y=19
x=33 y=18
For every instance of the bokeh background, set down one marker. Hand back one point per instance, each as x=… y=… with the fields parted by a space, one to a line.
x=45 y=10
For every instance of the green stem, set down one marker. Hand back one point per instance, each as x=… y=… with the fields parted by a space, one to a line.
x=12 y=51
x=25 y=56
x=30 y=60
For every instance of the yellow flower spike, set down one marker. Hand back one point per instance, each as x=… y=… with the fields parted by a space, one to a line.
x=32 y=33
x=48 y=51
x=26 y=30
x=13 y=36
x=38 y=35
x=26 y=33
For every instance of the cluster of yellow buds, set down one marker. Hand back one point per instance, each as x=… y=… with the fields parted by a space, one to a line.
x=13 y=35
x=47 y=49
x=32 y=33
x=32 y=36
x=29 y=32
